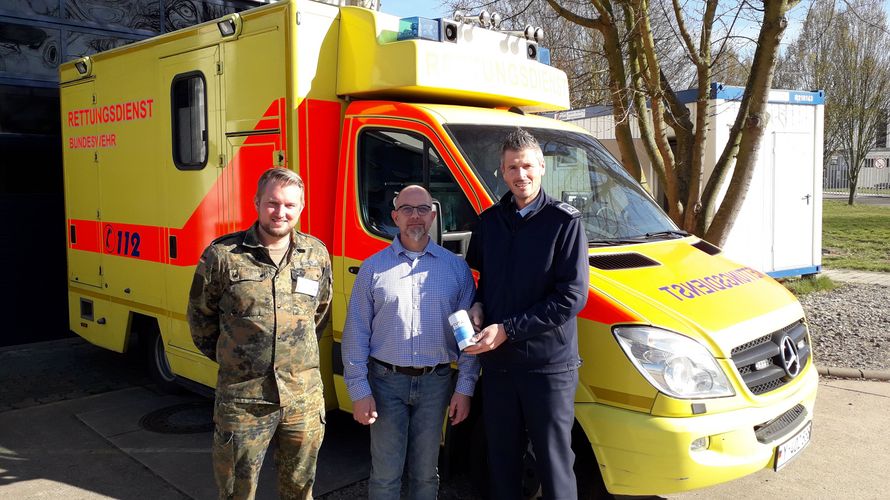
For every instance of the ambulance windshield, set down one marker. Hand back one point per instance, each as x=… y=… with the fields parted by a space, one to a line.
x=580 y=172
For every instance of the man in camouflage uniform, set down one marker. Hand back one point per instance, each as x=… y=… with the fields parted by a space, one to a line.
x=253 y=308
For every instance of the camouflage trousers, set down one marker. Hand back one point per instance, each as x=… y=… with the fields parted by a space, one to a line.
x=243 y=433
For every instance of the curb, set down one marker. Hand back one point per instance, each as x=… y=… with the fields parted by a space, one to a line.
x=854 y=373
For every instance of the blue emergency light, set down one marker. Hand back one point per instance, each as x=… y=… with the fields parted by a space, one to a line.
x=419 y=28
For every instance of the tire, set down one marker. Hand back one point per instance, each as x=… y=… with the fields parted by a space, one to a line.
x=158 y=364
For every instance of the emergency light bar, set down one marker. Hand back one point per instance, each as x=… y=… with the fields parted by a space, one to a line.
x=446 y=30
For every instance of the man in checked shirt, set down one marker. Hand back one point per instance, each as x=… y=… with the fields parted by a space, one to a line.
x=398 y=347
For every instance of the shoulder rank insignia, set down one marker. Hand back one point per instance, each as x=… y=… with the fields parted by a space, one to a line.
x=569 y=209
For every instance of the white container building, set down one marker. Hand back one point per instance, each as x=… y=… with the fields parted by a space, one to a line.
x=779 y=228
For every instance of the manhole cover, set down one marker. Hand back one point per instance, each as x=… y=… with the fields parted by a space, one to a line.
x=184 y=418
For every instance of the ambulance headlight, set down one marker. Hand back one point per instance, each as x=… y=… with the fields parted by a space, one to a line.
x=676 y=365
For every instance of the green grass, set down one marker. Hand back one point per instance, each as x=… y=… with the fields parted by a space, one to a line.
x=856 y=237
x=803 y=286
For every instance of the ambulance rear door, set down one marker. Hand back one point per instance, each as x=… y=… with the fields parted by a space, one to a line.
x=81 y=184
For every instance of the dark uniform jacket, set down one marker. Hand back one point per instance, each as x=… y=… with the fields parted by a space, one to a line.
x=533 y=278
x=258 y=321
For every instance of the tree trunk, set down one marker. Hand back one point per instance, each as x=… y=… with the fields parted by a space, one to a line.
x=756 y=95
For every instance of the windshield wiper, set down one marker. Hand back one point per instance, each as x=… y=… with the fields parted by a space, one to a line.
x=635 y=240
x=670 y=234
x=612 y=242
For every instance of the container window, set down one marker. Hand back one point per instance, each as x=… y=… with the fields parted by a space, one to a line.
x=188 y=99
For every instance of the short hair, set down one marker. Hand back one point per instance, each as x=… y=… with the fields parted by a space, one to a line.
x=280 y=177
x=518 y=140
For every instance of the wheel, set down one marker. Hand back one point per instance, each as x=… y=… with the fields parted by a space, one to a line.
x=159 y=365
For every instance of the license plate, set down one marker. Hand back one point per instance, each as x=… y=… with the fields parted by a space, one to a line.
x=791 y=448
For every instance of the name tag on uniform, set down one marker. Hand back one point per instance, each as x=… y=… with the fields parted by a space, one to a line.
x=307 y=286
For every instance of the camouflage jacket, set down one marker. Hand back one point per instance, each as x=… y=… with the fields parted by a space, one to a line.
x=258 y=320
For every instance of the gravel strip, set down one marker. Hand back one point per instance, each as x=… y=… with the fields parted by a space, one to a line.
x=850 y=326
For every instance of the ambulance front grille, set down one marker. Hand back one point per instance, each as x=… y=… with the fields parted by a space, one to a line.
x=771 y=361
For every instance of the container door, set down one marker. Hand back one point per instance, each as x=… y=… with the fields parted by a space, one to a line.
x=81 y=184
x=793 y=203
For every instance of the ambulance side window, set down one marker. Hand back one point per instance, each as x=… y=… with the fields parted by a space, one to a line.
x=188 y=100
x=392 y=159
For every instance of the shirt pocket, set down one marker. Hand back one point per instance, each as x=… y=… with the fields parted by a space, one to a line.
x=248 y=294
x=306 y=279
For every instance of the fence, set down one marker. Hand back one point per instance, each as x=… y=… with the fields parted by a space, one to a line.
x=874 y=177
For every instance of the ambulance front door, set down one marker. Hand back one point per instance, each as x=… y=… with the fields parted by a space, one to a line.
x=389 y=155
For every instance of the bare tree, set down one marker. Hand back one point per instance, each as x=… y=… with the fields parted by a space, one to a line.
x=652 y=47
x=845 y=50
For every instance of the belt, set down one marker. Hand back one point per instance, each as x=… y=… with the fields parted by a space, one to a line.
x=413 y=371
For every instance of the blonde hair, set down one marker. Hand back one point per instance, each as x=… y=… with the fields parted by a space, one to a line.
x=280 y=177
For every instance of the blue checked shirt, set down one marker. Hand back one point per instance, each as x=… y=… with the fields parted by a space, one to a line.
x=398 y=313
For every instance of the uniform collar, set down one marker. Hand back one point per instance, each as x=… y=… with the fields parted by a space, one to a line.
x=534 y=207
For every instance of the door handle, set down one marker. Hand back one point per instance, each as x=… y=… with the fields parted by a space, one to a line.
x=807 y=197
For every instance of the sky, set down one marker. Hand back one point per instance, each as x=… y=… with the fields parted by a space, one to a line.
x=434 y=9
x=407 y=8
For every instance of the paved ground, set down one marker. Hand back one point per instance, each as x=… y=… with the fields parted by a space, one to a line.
x=60 y=439
x=59 y=370
x=853 y=276
x=70 y=427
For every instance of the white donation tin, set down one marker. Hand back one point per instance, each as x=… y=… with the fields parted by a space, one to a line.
x=463 y=329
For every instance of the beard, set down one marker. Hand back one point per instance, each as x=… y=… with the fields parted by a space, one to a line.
x=416 y=233
x=277 y=232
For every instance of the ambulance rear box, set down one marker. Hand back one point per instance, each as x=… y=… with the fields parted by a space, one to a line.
x=696 y=370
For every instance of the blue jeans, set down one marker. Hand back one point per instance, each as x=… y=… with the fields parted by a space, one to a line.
x=410 y=414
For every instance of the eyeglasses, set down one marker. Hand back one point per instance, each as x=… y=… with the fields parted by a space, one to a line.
x=408 y=210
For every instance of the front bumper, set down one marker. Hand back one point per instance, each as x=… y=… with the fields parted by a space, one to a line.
x=642 y=454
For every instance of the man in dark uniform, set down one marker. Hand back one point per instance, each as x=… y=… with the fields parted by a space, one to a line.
x=254 y=304
x=531 y=254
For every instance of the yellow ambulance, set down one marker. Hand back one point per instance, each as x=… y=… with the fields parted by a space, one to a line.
x=696 y=370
